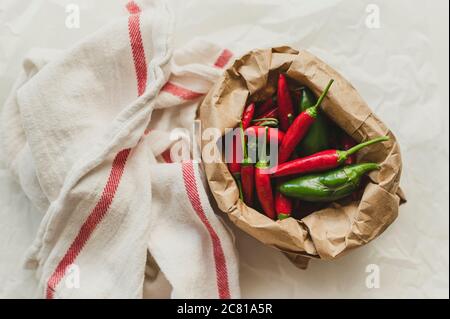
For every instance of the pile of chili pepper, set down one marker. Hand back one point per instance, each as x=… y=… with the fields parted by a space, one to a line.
x=308 y=167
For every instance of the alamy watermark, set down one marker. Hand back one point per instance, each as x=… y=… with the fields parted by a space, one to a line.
x=72 y=277
x=373 y=277
x=73 y=16
x=224 y=145
x=373 y=16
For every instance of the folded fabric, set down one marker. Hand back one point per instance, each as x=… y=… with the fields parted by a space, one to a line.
x=88 y=134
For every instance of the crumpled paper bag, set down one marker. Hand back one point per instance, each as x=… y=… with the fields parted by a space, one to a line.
x=340 y=227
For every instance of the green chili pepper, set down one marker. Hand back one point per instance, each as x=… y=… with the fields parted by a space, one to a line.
x=329 y=186
x=316 y=139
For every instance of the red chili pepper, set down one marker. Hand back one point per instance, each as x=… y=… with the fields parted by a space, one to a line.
x=247 y=117
x=248 y=183
x=299 y=127
x=321 y=161
x=283 y=205
x=347 y=143
x=284 y=102
x=247 y=173
x=275 y=137
x=234 y=159
x=265 y=107
x=263 y=182
x=273 y=134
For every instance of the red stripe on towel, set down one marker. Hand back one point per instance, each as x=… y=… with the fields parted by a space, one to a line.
x=137 y=46
x=187 y=94
x=180 y=92
x=88 y=227
x=219 y=257
x=118 y=166
x=133 y=8
x=166 y=156
x=223 y=58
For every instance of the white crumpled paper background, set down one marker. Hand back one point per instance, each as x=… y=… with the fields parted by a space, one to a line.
x=400 y=68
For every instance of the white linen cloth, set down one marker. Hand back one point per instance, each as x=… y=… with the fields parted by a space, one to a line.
x=87 y=132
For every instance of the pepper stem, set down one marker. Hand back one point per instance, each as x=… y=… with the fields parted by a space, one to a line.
x=243 y=144
x=269 y=123
x=264 y=119
x=343 y=155
x=324 y=93
x=283 y=216
x=262 y=162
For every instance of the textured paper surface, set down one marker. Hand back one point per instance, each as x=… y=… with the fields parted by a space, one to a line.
x=340 y=227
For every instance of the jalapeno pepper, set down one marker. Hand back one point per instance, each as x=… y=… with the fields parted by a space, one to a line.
x=316 y=139
x=307 y=99
x=321 y=161
x=299 y=128
x=328 y=186
x=262 y=181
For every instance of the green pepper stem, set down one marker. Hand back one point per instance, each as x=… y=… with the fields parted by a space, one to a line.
x=324 y=93
x=265 y=119
x=243 y=145
x=283 y=216
x=356 y=148
x=312 y=111
x=269 y=123
x=262 y=162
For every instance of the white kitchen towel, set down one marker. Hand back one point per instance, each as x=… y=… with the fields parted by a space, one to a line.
x=87 y=133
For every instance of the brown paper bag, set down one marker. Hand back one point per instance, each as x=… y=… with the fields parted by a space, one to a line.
x=338 y=228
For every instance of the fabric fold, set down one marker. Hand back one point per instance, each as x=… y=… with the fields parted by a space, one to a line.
x=87 y=147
